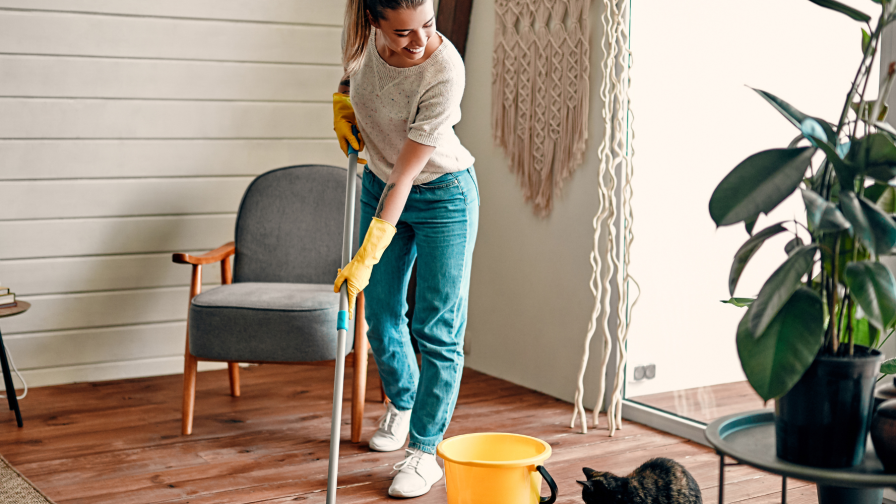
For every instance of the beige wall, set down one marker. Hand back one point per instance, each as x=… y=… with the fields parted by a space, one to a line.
x=529 y=302
x=129 y=130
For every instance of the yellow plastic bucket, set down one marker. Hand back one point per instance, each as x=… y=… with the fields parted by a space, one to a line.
x=496 y=468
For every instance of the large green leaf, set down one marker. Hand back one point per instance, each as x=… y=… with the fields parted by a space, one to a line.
x=852 y=210
x=846 y=171
x=739 y=302
x=746 y=251
x=884 y=126
x=887 y=200
x=864 y=333
x=779 y=287
x=793 y=115
x=787 y=110
x=874 y=155
x=875 y=191
x=750 y=223
x=822 y=214
x=776 y=360
x=758 y=184
x=874 y=289
x=843 y=9
x=793 y=245
x=883 y=229
x=888 y=366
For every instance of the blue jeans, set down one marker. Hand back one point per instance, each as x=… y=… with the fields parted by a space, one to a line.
x=437 y=227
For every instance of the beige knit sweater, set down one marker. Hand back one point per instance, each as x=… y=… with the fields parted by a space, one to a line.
x=421 y=103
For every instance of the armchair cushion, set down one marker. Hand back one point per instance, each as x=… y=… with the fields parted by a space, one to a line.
x=265 y=322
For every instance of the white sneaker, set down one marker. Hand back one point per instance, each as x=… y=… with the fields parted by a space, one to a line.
x=417 y=473
x=393 y=431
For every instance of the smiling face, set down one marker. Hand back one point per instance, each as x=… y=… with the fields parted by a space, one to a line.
x=406 y=34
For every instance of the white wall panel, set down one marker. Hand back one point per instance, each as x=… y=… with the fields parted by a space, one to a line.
x=121 y=235
x=100 y=309
x=100 y=273
x=91 y=118
x=89 y=35
x=272 y=11
x=164 y=79
x=122 y=197
x=112 y=371
x=69 y=348
x=50 y=159
x=129 y=130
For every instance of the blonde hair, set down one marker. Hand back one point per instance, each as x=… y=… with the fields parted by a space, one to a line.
x=358 y=15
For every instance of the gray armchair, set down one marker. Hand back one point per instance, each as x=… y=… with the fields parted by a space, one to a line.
x=278 y=306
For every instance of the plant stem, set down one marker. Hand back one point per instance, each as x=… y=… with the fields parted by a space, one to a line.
x=867 y=77
x=881 y=344
x=827 y=175
x=849 y=328
x=835 y=263
x=828 y=337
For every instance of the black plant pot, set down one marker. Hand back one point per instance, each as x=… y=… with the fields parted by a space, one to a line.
x=823 y=420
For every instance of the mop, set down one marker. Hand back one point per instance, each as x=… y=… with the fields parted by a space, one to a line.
x=342 y=325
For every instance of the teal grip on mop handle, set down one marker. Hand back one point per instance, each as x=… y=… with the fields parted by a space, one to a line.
x=342 y=320
x=351 y=150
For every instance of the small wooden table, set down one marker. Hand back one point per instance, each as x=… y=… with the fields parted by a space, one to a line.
x=20 y=307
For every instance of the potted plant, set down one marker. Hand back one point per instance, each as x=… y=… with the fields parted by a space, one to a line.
x=807 y=339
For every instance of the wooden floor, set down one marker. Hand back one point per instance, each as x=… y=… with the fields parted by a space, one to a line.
x=119 y=442
x=706 y=404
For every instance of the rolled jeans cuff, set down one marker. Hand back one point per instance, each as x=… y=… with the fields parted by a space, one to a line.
x=417 y=446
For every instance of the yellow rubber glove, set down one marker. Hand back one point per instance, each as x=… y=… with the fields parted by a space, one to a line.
x=343 y=120
x=357 y=272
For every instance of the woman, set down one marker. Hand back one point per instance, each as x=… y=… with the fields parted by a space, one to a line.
x=419 y=200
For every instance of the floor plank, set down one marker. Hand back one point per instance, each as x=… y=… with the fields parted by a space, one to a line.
x=119 y=442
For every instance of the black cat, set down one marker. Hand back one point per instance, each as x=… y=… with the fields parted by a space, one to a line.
x=657 y=481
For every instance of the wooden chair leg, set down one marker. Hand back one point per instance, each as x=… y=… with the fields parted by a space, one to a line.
x=359 y=382
x=234 y=370
x=189 y=361
x=189 y=393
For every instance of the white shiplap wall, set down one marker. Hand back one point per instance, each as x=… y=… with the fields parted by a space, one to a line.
x=129 y=130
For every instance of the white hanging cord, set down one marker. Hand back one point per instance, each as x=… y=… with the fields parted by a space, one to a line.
x=615 y=153
x=16 y=370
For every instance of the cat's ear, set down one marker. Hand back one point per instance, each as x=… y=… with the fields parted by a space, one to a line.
x=588 y=484
x=589 y=472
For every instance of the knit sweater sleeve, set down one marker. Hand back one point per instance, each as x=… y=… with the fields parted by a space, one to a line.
x=438 y=109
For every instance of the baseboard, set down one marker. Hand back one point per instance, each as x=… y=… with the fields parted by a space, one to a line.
x=666 y=422
x=110 y=371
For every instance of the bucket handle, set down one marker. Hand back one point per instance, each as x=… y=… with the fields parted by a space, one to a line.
x=553 y=486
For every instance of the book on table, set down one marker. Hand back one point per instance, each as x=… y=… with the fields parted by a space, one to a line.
x=7 y=300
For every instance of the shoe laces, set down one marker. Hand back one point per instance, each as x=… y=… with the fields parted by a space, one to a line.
x=412 y=459
x=387 y=421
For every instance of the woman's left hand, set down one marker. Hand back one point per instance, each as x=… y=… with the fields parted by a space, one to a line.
x=356 y=273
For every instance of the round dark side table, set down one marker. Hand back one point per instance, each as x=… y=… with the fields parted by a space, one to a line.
x=20 y=307
x=749 y=438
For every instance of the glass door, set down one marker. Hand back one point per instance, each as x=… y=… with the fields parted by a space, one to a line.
x=694 y=120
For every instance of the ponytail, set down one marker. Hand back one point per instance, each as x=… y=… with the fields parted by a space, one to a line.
x=357 y=33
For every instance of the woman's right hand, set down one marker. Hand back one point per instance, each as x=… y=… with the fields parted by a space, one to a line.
x=343 y=120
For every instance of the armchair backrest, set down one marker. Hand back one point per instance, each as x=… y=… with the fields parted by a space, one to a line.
x=289 y=226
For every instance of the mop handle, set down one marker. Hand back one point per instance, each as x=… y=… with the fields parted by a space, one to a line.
x=342 y=322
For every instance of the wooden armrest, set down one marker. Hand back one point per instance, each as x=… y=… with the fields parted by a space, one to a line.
x=219 y=254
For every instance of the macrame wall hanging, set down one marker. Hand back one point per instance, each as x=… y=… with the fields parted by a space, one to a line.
x=610 y=267
x=540 y=91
